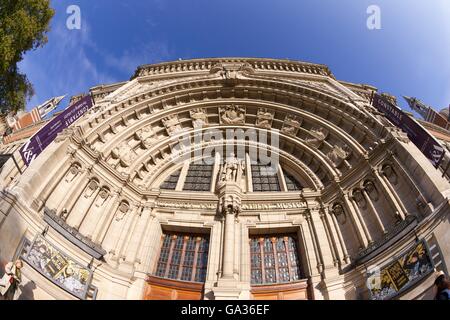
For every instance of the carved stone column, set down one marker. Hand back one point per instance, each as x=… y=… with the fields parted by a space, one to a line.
x=391 y=194
x=366 y=191
x=343 y=248
x=360 y=232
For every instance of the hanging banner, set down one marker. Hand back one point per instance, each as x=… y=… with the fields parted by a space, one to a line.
x=59 y=268
x=418 y=135
x=48 y=133
x=399 y=275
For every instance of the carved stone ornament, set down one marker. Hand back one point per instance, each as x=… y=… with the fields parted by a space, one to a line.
x=147 y=136
x=389 y=173
x=102 y=197
x=359 y=198
x=231 y=71
x=125 y=153
x=231 y=170
x=339 y=213
x=265 y=118
x=371 y=190
x=122 y=210
x=339 y=154
x=199 y=117
x=172 y=124
x=230 y=204
x=318 y=136
x=232 y=114
x=291 y=125
x=90 y=189
x=72 y=173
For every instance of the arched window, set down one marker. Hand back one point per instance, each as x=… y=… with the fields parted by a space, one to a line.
x=291 y=183
x=198 y=177
x=171 y=182
x=264 y=178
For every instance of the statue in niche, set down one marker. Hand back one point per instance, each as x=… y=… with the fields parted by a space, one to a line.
x=339 y=213
x=390 y=174
x=339 y=154
x=199 y=117
x=122 y=211
x=264 y=118
x=231 y=169
x=125 y=153
x=232 y=114
x=90 y=189
x=172 y=124
x=318 y=136
x=147 y=136
x=291 y=125
x=72 y=173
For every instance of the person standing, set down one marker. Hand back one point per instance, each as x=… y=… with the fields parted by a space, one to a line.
x=11 y=280
x=443 y=288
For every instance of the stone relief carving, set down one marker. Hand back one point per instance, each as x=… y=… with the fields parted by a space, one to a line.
x=338 y=154
x=339 y=213
x=172 y=124
x=318 y=137
x=291 y=125
x=91 y=188
x=147 y=136
x=230 y=204
x=232 y=114
x=125 y=153
x=72 y=173
x=265 y=118
x=102 y=197
x=390 y=174
x=122 y=210
x=199 y=117
x=232 y=169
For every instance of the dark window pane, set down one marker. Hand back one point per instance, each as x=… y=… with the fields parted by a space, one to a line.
x=264 y=178
x=291 y=183
x=171 y=182
x=198 y=178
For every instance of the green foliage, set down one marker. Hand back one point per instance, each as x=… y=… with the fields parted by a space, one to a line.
x=23 y=26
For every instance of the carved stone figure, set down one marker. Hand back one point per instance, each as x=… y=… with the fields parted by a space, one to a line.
x=172 y=124
x=232 y=114
x=371 y=190
x=199 y=117
x=390 y=174
x=146 y=135
x=125 y=153
x=291 y=125
x=339 y=154
x=318 y=136
x=230 y=169
x=102 y=197
x=265 y=118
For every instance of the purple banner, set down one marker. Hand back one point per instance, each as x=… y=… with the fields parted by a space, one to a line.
x=48 y=133
x=423 y=140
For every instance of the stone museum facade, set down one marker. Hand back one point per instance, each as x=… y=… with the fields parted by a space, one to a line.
x=228 y=178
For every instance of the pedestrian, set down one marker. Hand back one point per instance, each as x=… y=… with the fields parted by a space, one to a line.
x=443 y=288
x=10 y=281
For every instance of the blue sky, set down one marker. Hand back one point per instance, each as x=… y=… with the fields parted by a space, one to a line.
x=410 y=55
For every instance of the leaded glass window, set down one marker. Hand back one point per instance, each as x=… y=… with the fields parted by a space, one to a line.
x=198 y=177
x=171 y=182
x=291 y=183
x=183 y=257
x=264 y=178
x=274 y=259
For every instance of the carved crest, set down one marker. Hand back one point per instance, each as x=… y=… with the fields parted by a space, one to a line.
x=338 y=154
x=199 y=117
x=291 y=125
x=232 y=114
x=318 y=135
x=172 y=124
x=265 y=118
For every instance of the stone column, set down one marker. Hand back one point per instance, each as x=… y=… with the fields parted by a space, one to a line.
x=391 y=195
x=343 y=248
x=360 y=232
x=105 y=220
x=331 y=241
x=228 y=245
x=374 y=210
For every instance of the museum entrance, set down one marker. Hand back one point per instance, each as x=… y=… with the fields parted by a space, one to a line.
x=276 y=271
x=180 y=273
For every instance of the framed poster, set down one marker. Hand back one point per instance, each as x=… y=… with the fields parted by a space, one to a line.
x=401 y=273
x=59 y=268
